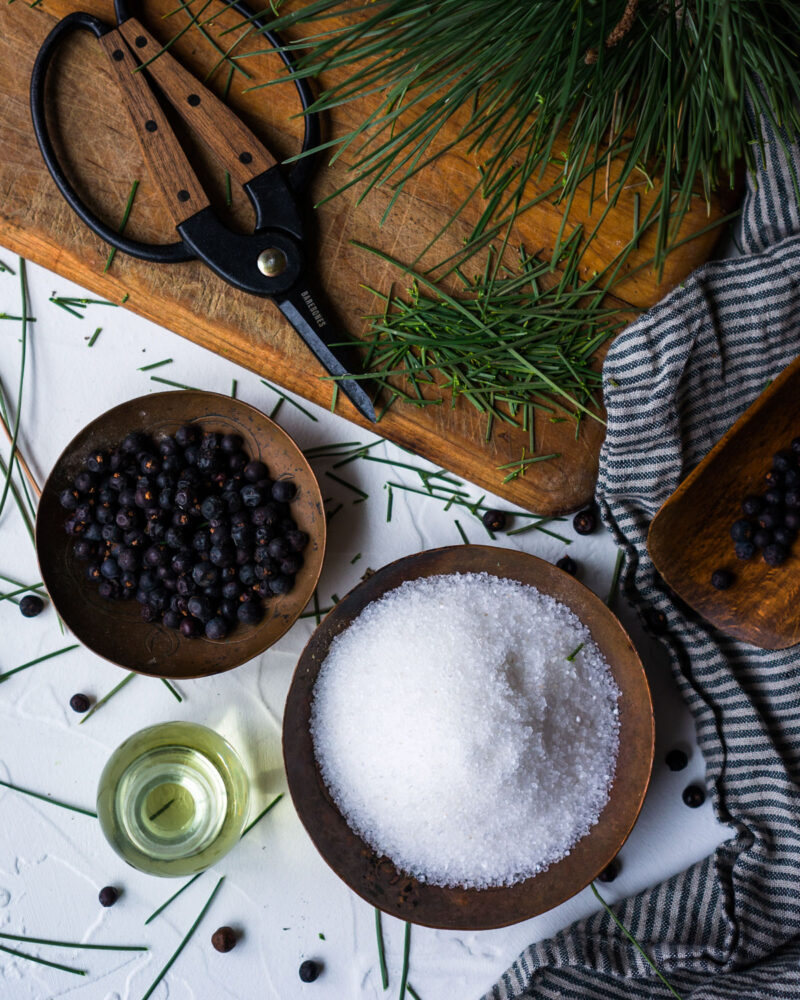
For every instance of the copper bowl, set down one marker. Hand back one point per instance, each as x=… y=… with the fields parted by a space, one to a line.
x=114 y=629
x=374 y=877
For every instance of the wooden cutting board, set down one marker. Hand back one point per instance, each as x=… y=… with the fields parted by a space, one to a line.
x=100 y=152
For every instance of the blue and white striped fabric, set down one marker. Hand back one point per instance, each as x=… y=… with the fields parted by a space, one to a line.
x=728 y=928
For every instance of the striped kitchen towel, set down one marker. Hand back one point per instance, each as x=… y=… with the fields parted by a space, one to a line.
x=728 y=928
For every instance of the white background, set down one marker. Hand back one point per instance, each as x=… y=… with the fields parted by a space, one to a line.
x=277 y=892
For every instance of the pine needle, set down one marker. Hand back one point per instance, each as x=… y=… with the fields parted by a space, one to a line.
x=381 y=949
x=184 y=942
x=171 y=689
x=514 y=343
x=23 y=287
x=39 y=659
x=174 y=896
x=261 y=815
x=175 y=385
x=523 y=85
x=632 y=939
x=74 y=944
x=613 y=590
x=107 y=697
x=289 y=399
x=155 y=364
x=125 y=216
x=406 y=955
x=47 y=798
x=43 y=961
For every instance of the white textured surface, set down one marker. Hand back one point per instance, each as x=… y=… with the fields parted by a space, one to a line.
x=502 y=756
x=277 y=889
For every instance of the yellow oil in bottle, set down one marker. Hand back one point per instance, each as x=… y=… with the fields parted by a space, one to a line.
x=172 y=799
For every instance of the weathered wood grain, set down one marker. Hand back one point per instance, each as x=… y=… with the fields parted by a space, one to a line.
x=101 y=153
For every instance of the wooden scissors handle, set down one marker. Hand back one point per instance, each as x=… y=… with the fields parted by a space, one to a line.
x=231 y=141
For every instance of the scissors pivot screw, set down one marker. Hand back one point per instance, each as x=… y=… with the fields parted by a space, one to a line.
x=272 y=262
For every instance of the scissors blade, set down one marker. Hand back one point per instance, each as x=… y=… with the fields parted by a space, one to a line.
x=300 y=307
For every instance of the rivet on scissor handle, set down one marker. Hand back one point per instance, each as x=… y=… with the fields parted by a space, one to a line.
x=272 y=262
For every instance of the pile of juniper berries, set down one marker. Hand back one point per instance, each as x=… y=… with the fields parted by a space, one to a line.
x=771 y=519
x=189 y=526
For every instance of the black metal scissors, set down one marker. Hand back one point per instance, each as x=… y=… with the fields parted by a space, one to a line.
x=270 y=261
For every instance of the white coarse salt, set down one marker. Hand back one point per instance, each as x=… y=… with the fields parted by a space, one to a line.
x=455 y=735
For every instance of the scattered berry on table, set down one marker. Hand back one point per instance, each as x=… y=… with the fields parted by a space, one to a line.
x=585 y=521
x=721 y=579
x=494 y=520
x=31 y=605
x=610 y=872
x=80 y=703
x=108 y=895
x=693 y=796
x=224 y=939
x=309 y=971
x=676 y=760
x=568 y=564
x=656 y=621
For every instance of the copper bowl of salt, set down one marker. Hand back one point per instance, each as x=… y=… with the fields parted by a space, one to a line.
x=375 y=877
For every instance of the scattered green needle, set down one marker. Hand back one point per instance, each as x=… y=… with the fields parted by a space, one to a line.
x=575 y=652
x=350 y=486
x=171 y=689
x=122 y=225
x=461 y=532
x=261 y=815
x=406 y=953
x=105 y=698
x=94 y=336
x=234 y=388
x=289 y=399
x=175 y=385
x=74 y=944
x=173 y=897
x=611 y=600
x=381 y=950
x=155 y=364
x=185 y=940
x=632 y=939
x=317 y=613
x=518 y=468
x=46 y=798
x=39 y=659
x=21 y=590
x=538 y=526
x=23 y=288
x=389 y=502
x=43 y=961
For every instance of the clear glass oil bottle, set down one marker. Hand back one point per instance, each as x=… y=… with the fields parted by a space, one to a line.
x=172 y=799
